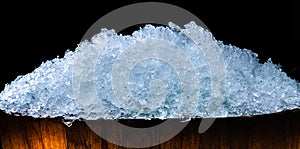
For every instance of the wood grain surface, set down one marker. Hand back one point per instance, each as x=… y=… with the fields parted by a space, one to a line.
x=275 y=131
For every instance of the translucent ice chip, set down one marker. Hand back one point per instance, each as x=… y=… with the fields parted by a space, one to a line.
x=157 y=72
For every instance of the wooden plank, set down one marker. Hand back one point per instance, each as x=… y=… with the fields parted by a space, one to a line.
x=29 y=133
x=259 y=132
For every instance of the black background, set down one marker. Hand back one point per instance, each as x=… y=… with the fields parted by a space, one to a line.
x=35 y=32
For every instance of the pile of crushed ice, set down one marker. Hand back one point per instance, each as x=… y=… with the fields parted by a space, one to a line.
x=250 y=88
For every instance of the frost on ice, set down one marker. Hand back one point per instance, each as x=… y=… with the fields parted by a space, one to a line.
x=250 y=88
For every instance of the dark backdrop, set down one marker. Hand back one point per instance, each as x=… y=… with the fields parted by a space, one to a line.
x=35 y=32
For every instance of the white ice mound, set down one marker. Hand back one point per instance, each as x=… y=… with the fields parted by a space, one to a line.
x=157 y=72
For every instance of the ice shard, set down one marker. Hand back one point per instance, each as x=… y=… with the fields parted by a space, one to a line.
x=251 y=88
